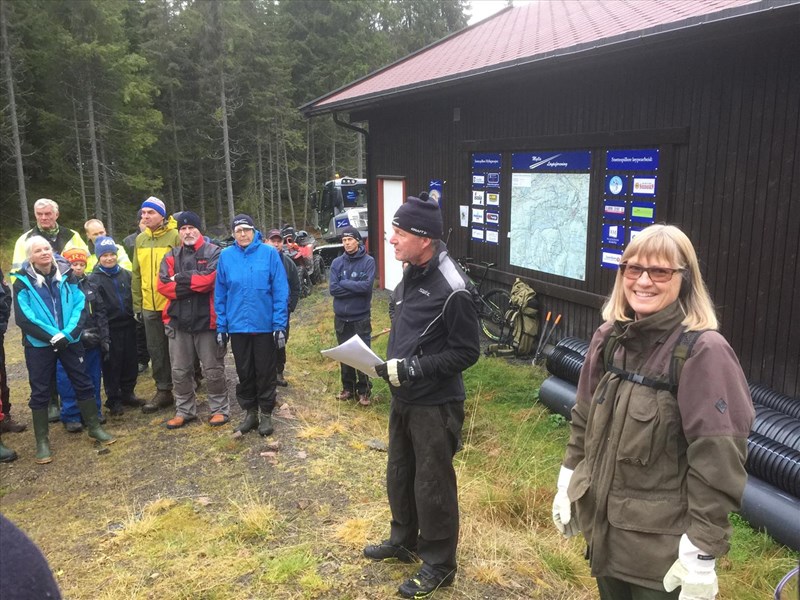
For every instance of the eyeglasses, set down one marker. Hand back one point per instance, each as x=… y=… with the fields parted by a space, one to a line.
x=656 y=274
x=241 y=230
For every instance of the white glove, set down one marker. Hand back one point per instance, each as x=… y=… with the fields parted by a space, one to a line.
x=562 y=509
x=696 y=576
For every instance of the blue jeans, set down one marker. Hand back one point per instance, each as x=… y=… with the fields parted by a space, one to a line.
x=92 y=361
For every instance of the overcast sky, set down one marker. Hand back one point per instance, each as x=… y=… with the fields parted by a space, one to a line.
x=484 y=8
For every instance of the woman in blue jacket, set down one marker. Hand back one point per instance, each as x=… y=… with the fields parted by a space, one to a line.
x=251 y=301
x=48 y=307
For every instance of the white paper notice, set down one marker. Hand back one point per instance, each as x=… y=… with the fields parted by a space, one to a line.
x=355 y=353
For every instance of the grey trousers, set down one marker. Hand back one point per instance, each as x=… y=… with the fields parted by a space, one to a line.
x=158 y=347
x=182 y=349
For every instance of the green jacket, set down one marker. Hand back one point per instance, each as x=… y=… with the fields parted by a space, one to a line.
x=148 y=252
x=649 y=466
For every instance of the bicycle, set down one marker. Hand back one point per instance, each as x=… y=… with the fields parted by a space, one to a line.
x=494 y=305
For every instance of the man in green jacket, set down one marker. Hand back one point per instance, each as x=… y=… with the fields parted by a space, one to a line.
x=158 y=238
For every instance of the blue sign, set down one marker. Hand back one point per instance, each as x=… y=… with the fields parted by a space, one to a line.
x=614 y=209
x=435 y=190
x=616 y=185
x=632 y=160
x=551 y=161
x=613 y=234
x=610 y=258
x=342 y=222
x=643 y=212
x=486 y=160
x=493 y=180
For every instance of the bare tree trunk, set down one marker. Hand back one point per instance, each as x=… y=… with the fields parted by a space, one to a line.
x=12 y=106
x=202 y=193
x=98 y=200
x=261 y=203
x=226 y=144
x=278 y=175
x=218 y=195
x=307 y=191
x=272 y=186
x=170 y=196
x=109 y=222
x=177 y=149
x=288 y=181
x=80 y=161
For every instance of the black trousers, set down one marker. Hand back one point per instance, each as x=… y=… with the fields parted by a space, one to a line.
x=615 y=589
x=142 y=355
x=41 y=363
x=354 y=381
x=254 y=355
x=280 y=354
x=5 y=393
x=421 y=480
x=120 y=370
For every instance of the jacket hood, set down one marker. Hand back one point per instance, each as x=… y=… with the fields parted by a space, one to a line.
x=357 y=254
x=28 y=271
x=253 y=245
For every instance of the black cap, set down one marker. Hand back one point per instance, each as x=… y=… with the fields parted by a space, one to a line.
x=352 y=232
x=187 y=217
x=420 y=217
x=243 y=221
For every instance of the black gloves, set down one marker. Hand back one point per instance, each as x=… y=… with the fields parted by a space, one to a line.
x=59 y=341
x=222 y=339
x=90 y=337
x=280 y=339
x=398 y=371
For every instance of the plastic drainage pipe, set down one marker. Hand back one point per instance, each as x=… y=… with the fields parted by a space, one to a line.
x=765 y=396
x=558 y=395
x=565 y=363
x=774 y=463
x=767 y=508
x=575 y=344
x=777 y=426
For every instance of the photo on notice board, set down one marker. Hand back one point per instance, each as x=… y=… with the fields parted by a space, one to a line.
x=477 y=197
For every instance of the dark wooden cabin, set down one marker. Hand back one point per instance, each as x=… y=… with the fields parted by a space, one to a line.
x=695 y=107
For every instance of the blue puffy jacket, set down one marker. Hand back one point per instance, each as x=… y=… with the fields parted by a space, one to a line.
x=251 y=293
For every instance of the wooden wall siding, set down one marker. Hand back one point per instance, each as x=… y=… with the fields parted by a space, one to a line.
x=733 y=186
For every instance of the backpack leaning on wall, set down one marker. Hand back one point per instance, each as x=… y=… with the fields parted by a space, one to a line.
x=524 y=318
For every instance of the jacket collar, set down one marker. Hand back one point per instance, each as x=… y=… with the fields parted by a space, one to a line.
x=641 y=335
x=166 y=225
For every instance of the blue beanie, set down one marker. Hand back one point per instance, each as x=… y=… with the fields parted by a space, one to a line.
x=156 y=204
x=104 y=244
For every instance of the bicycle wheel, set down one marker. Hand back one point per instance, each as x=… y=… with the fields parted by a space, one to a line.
x=492 y=314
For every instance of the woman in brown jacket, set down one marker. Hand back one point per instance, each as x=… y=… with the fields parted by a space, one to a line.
x=652 y=469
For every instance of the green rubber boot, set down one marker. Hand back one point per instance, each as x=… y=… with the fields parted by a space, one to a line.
x=250 y=421
x=89 y=414
x=6 y=454
x=54 y=408
x=265 y=426
x=41 y=426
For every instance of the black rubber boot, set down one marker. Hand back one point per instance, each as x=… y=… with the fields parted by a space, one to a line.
x=54 y=409
x=250 y=421
x=6 y=454
x=265 y=425
x=89 y=414
x=41 y=427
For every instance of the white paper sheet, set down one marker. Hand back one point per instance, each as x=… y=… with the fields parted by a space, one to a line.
x=355 y=353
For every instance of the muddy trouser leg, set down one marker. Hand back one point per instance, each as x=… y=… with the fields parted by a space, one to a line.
x=344 y=331
x=181 y=354
x=212 y=358
x=421 y=480
x=158 y=347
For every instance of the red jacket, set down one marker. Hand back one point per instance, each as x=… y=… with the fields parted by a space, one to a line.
x=186 y=278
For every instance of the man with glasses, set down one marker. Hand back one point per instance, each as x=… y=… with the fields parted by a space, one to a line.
x=251 y=301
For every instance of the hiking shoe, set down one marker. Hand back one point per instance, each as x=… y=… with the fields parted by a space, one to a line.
x=279 y=380
x=73 y=426
x=265 y=425
x=116 y=410
x=425 y=583
x=132 y=400
x=363 y=400
x=178 y=421
x=9 y=425
x=162 y=399
x=218 y=419
x=385 y=551
x=344 y=395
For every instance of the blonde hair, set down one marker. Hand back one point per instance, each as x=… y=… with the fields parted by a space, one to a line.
x=92 y=222
x=668 y=243
x=29 y=244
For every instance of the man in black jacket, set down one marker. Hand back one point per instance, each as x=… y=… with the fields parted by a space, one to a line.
x=276 y=239
x=434 y=338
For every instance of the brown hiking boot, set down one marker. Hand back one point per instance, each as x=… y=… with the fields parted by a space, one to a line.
x=9 y=425
x=162 y=399
x=344 y=395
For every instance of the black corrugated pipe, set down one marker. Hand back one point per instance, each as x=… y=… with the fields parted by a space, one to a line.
x=575 y=344
x=565 y=363
x=774 y=463
x=766 y=507
x=775 y=400
x=777 y=426
x=558 y=395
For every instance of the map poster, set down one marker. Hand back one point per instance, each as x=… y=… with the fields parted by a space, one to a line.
x=613 y=234
x=549 y=222
x=477 y=216
x=643 y=212
x=477 y=234
x=492 y=237
x=551 y=161
x=492 y=198
x=610 y=258
x=477 y=197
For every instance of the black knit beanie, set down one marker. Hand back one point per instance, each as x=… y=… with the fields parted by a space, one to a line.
x=420 y=217
x=187 y=217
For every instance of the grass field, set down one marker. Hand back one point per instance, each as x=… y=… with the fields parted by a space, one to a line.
x=199 y=514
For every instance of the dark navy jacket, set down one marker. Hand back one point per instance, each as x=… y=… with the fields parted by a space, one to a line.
x=351 y=281
x=115 y=290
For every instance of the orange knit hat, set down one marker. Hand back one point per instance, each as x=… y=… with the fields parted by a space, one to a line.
x=76 y=255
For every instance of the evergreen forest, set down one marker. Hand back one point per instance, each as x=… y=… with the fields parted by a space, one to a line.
x=105 y=102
